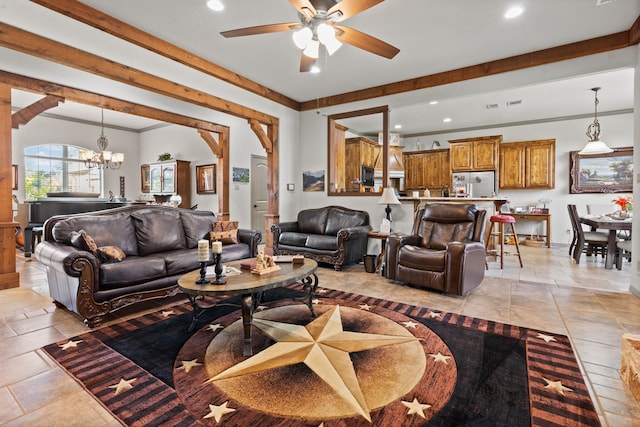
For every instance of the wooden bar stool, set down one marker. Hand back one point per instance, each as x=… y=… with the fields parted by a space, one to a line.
x=501 y=220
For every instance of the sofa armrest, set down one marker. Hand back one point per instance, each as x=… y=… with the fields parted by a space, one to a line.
x=251 y=238
x=395 y=241
x=278 y=229
x=465 y=266
x=67 y=259
x=350 y=233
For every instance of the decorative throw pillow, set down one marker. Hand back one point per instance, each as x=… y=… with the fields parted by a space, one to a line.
x=111 y=253
x=226 y=237
x=225 y=225
x=81 y=240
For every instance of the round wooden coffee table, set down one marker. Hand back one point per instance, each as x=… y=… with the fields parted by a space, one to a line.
x=250 y=287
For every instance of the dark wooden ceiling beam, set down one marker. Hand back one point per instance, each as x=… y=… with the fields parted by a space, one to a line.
x=25 y=115
x=514 y=63
x=83 y=97
x=32 y=44
x=93 y=17
x=634 y=33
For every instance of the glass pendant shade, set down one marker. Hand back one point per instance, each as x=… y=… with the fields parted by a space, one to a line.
x=595 y=145
x=302 y=37
x=313 y=49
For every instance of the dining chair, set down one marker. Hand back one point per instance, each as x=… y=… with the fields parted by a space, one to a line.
x=623 y=250
x=589 y=242
x=601 y=209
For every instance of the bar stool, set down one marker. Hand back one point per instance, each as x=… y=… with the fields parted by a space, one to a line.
x=501 y=220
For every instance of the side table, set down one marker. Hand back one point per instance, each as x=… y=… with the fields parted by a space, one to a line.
x=383 y=243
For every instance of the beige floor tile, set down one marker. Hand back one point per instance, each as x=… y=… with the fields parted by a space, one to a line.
x=21 y=367
x=9 y=408
x=44 y=389
x=72 y=410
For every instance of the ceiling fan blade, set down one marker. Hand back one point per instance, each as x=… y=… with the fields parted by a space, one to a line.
x=348 y=8
x=261 y=29
x=365 y=42
x=306 y=63
x=304 y=7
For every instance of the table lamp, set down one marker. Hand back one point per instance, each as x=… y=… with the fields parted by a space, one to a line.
x=389 y=198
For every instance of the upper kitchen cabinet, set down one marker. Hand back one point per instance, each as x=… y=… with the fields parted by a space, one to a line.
x=474 y=154
x=528 y=164
x=426 y=169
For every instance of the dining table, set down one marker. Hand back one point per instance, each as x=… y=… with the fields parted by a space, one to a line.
x=614 y=225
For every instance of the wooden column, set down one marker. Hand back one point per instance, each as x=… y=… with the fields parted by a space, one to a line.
x=9 y=278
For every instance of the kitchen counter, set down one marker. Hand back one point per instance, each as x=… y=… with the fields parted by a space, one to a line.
x=497 y=201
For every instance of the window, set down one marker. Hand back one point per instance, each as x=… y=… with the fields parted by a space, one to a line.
x=53 y=168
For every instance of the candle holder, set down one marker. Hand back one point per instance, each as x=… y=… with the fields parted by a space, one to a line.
x=218 y=269
x=203 y=271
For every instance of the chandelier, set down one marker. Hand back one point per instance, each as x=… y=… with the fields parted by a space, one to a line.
x=595 y=145
x=103 y=159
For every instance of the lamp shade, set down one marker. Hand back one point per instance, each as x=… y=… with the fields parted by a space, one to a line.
x=389 y=197
x=595 y=147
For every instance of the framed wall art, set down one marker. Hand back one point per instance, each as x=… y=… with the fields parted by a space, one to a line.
x=206 y=179
x=601 y=173
x=240 y=174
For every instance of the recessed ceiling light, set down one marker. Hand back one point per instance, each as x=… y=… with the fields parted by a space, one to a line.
x=433 y=102
x=446 y=119
x=215 y=5
x=397 y=127
x=315 y=69
x=513 y=12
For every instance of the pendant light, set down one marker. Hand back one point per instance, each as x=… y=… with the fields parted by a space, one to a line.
x=595 y=145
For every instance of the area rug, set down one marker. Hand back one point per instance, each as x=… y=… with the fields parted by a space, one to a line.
x=360 y=361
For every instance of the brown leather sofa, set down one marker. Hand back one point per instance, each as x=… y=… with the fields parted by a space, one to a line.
x=160 y=244
x=332 y=235
x=445 y=250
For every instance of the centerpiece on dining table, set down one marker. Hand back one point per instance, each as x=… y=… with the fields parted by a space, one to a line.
x=626 y=206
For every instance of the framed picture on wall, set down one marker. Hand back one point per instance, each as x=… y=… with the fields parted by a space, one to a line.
x=14 y=177
x=601 y=173
x=206 y=179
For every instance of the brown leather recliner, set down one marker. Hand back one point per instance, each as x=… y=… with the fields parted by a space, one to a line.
x=445 y=250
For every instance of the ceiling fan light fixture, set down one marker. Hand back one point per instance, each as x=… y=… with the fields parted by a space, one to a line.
x=302 y=37
x=313 y=49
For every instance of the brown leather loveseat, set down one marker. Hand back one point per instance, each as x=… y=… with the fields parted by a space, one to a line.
x=332 y=234
x=158 y=243
x=445 y=250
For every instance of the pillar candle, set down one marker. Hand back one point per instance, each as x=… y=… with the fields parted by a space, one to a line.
x=203 y=250
x=216 y=247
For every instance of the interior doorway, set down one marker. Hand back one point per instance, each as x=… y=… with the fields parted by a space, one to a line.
x=258 y=193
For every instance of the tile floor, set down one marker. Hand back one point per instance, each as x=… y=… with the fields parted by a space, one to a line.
x=586 y=302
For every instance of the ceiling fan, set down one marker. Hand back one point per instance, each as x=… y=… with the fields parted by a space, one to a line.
x=319 y=26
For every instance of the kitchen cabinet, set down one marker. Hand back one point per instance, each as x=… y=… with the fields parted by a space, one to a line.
x=426 y=169
x=168 y=178
x=474 y=154
x=527 y=164
x=359 y=152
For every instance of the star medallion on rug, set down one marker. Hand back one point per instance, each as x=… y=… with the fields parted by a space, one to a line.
x=362 y=361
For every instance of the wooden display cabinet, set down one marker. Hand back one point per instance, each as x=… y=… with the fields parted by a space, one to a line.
x=527 y=165
x=167 y=178
x=474 y=154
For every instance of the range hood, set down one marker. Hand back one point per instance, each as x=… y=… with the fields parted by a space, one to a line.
x=396 y=165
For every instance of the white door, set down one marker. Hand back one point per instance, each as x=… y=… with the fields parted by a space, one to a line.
x=258 y=193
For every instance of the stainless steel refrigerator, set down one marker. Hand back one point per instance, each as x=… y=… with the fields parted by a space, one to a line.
x=474 y=184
